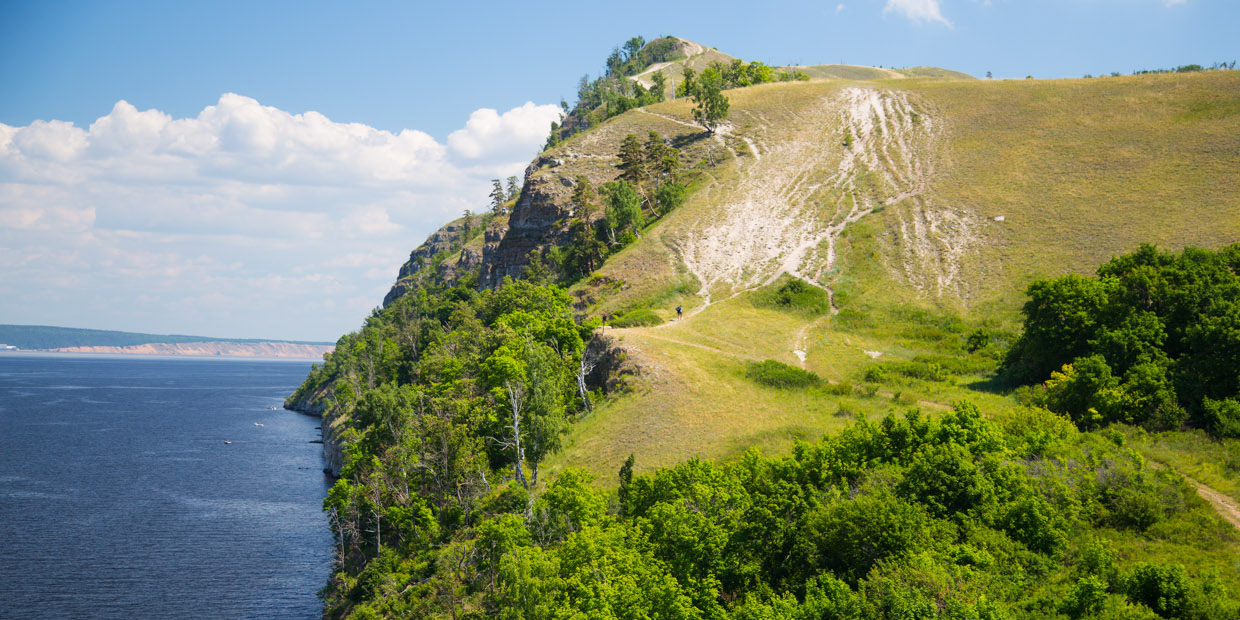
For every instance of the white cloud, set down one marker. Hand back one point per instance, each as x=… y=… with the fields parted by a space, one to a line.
x=490 y=135
x=146 y=222
x=917 y=10
x=839 y=8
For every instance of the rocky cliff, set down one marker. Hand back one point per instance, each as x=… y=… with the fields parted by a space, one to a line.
x=449 y=253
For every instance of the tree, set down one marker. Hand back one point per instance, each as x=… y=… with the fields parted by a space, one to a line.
x=688 y=83
x=632 y=160
x=498 y=196
x=710 y=106
x=632 y=46
x=513 y=188
x=658 y=87
x=624 y=210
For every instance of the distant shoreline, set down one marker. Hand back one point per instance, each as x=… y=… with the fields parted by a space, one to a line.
x=209 y=350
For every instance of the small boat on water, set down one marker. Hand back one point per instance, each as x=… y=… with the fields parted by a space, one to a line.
x=227 y=443
x=258 y=424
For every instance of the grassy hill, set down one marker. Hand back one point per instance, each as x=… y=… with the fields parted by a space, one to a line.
x=1077 y=170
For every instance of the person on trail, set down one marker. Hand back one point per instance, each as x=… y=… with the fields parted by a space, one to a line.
x=680 y=312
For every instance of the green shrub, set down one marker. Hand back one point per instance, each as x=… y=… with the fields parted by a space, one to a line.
x=642 y=317
x=979 y=339
x=795 y=295
x=1164 y=588
x=1222 y=417
x=779 y=375
x=838 y=389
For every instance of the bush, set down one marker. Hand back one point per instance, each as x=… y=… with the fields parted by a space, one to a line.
x=1163 y=588
x=642 y=317
x=779 y=375
x=979 y=339
x=796 y=295
x=838 y=389
x=1222 y=417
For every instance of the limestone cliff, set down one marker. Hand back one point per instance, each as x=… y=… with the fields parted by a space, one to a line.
x=449 y=253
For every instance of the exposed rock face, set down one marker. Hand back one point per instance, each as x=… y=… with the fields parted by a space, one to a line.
x=609 y=363
x=536 y=222
x=451 y=237
x=315 y=404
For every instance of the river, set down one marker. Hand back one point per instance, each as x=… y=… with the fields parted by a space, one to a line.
x=158 y=488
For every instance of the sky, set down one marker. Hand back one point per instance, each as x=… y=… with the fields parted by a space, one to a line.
x=262 y=169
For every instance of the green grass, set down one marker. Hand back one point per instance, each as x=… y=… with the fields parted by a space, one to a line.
x=1213 y=462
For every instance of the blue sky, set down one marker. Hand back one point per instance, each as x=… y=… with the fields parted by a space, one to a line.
x=261 y=169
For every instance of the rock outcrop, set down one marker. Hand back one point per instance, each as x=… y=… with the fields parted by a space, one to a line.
x=314 y=403
x=445 y=256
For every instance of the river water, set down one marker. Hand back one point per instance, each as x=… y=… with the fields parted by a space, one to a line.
x=119 y=497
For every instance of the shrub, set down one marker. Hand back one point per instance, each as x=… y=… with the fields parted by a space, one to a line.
x=838 y=389
x=779 y=375
x=642 y=317
x=1222 y=417
x=979 y=339
x=1163 y=588
x=797 y=295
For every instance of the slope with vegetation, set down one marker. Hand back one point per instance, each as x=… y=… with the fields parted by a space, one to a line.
x=850 y=254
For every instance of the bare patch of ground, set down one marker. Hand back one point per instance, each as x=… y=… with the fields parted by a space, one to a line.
x=860 y=150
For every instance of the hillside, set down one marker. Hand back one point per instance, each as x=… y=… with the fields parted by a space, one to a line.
x=851 y=255
x=1077 y=170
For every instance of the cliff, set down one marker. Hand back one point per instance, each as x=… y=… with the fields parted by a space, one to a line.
x=449 y=253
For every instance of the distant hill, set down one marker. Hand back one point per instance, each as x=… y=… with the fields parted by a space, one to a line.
x=48 y=338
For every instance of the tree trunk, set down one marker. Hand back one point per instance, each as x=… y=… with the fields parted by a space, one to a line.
x=514 y=399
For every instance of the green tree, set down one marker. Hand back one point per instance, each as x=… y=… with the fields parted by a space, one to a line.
x=624 y=211
x=498 y=195
x=710 y=105
x=658 y=87
x=632 y=160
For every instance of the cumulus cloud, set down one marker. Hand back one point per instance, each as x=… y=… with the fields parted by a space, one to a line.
x=917 y=10
x=494 y=136
x=226 y=222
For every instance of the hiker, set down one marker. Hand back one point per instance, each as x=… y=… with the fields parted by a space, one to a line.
x=680 y=312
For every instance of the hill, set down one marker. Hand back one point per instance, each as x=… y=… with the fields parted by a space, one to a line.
x=851 y=253
x=74 y=340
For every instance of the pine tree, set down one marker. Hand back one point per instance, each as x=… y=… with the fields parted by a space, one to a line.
x=632 y=160
x=498 y=196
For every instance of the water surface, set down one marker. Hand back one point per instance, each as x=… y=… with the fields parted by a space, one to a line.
x=119 y=497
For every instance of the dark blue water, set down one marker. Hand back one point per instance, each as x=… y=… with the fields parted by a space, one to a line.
x=120 y=499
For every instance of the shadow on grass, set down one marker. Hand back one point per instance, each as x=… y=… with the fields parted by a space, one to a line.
x=991 y=384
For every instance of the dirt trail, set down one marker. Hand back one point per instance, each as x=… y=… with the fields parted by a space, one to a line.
x=1225 y=505
x=689 y=48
